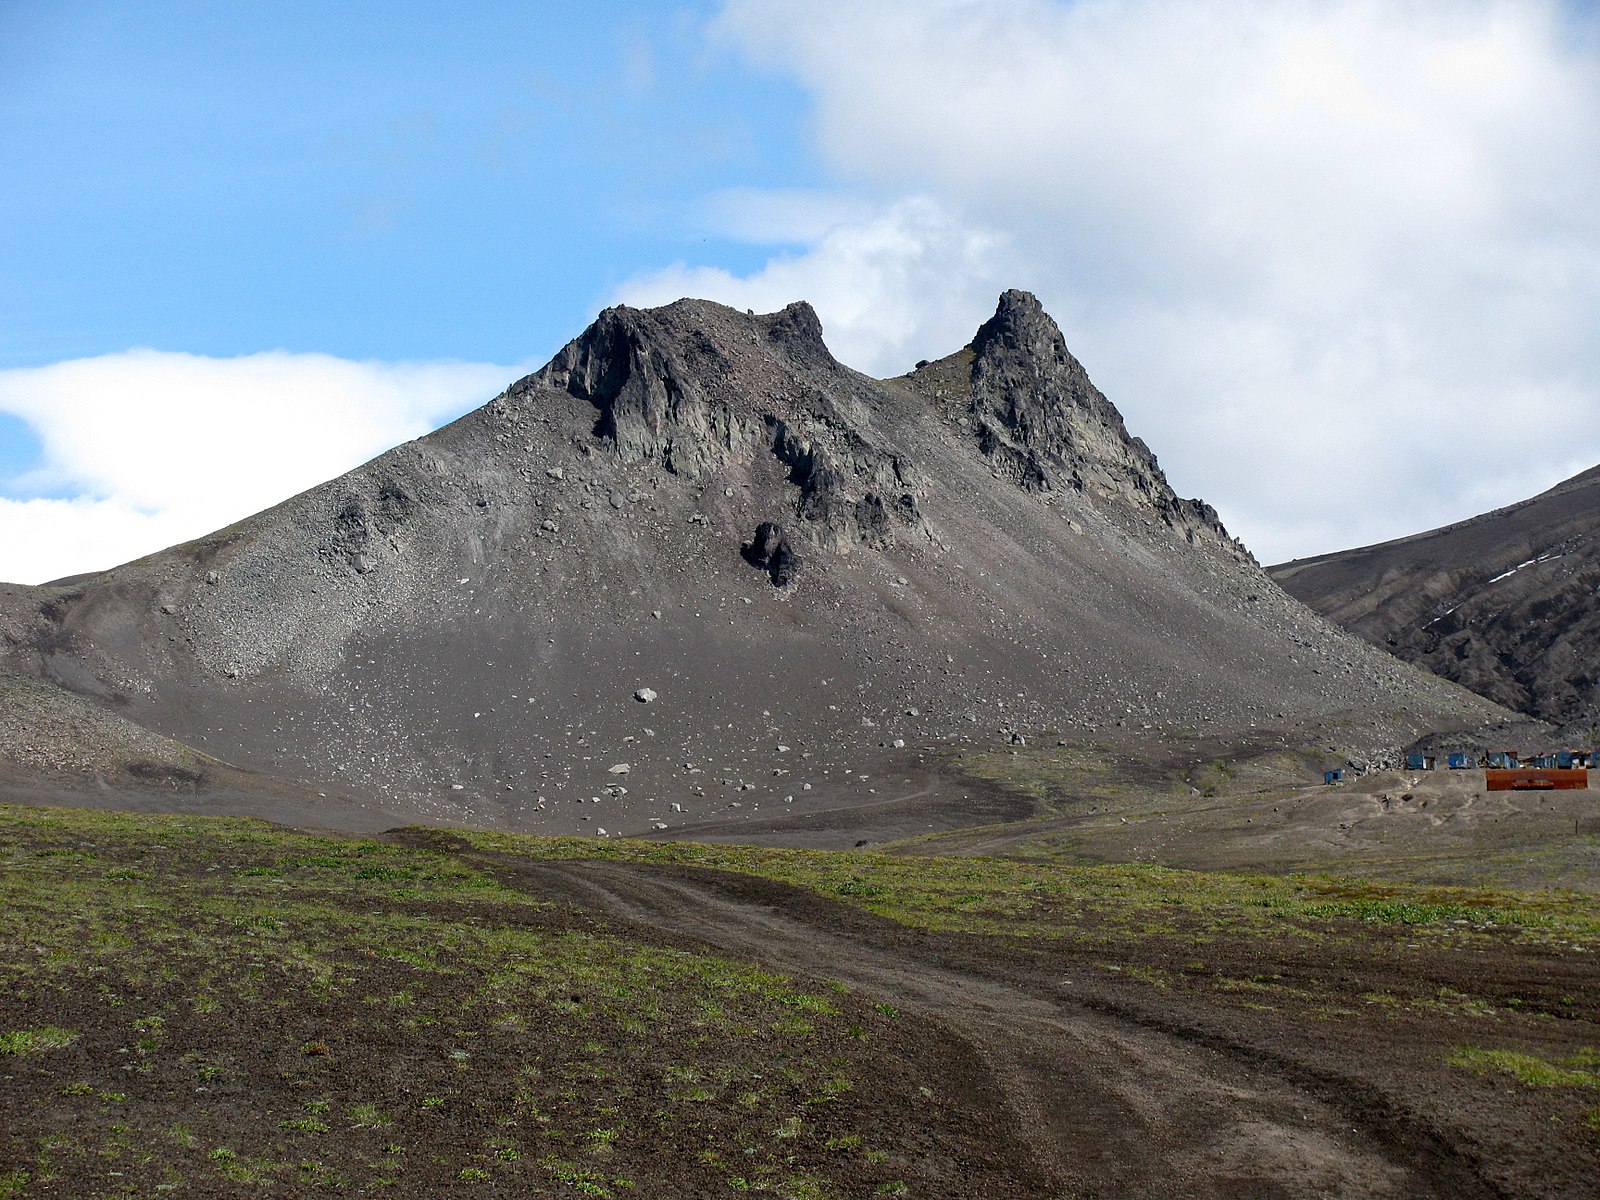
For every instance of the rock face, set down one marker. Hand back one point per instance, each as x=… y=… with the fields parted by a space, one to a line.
x=1507 y=604
x=463 y=628
x=1044 y=426
x=695 y=388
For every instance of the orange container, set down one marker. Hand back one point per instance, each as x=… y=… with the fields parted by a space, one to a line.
x=1534 y=779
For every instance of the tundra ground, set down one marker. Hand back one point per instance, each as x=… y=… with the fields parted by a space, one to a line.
x=206 y=1007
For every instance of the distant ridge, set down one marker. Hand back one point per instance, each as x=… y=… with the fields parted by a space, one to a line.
x=1507 y=603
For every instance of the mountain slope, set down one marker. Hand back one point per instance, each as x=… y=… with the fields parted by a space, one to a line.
x=1507 y=604
x=795 y=566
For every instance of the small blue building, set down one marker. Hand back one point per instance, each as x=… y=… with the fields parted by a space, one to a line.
x=1502 y=760
x=1420 y=762
x=1460 y=762
x=1332 y=776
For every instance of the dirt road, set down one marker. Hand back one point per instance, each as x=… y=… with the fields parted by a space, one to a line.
x=1099 y=1102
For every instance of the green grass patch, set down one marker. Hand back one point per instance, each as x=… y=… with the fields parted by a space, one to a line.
x=33 y=1041
x=1530 y=1070
x=1404 y=912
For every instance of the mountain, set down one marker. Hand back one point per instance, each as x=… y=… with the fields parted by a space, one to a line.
x=694 y=569
x=1507 y=603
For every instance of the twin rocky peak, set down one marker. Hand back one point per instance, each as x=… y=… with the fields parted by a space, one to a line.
x=696 y=385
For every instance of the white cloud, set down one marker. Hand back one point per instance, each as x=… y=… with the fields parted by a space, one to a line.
x=1322 y=254
x=154 y=448
x=43 y=539
x=890 y=286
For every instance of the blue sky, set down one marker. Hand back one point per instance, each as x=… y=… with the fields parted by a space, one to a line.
x=392 y=181
x=1282 y=236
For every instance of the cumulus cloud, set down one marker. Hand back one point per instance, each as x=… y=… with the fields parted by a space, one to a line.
x=147 y=448
x=890 y=286
x=1322 y=254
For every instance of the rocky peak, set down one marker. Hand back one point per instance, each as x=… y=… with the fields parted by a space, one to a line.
x=1021 y=324
x=658 y=380
x=798 y=329
x=702 y=387
x=1044 y=425
x=699 y=386
x=1040 y=418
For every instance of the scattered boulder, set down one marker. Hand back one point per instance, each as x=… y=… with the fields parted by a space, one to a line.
x=645 y=695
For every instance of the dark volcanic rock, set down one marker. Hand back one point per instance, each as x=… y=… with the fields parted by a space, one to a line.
x=1507 y=604
x=770 y=551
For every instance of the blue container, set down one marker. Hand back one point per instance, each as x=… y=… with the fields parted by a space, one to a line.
x=1460 y=762
x=1332 y=776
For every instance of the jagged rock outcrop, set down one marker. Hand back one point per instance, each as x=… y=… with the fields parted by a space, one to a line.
x=695 y=386
x=1044 y=426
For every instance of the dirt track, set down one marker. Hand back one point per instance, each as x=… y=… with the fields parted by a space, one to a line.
x=1104 y=1102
